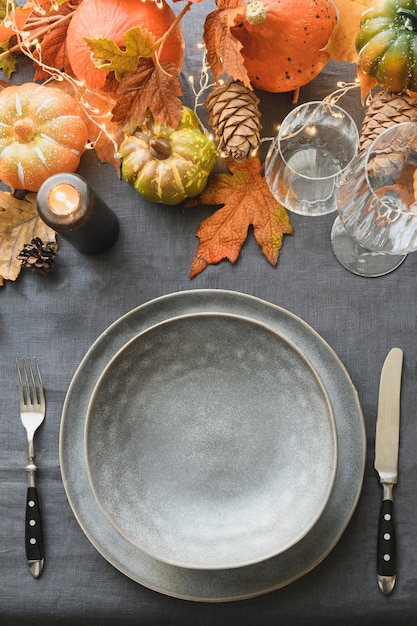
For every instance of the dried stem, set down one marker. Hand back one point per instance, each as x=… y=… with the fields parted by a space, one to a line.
x=35 y=34
x=160 y=42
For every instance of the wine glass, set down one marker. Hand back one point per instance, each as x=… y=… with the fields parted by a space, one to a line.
x=377 y=204
x=315 y=143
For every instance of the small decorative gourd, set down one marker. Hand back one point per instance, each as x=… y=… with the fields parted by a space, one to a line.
x=41 y=133
x=283 y=41
x=387 y=44
x=167 y=165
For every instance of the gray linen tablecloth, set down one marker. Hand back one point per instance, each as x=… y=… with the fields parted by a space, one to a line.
x=58 y=317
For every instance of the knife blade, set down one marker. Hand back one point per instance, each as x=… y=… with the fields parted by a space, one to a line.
x=386 y=464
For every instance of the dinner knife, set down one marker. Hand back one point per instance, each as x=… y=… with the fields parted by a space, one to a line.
x=386 y=464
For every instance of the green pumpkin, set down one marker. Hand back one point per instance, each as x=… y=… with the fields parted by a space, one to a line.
x=387 y=44
x=168 y=165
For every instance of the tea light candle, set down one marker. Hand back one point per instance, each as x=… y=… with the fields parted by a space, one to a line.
x=70 y=206
x=63 y=199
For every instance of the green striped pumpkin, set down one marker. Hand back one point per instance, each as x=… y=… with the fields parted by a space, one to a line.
x=168 y=165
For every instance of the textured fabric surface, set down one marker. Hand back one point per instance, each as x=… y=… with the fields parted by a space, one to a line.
x=58 y=317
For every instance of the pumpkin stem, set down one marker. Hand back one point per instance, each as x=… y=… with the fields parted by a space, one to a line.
x=410 y=18
x=160 y=149
x=24 y=130
x=256 y=12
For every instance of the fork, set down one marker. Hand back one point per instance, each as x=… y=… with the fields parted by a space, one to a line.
x=32 y=413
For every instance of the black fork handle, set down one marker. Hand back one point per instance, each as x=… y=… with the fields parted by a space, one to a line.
x=33 y=534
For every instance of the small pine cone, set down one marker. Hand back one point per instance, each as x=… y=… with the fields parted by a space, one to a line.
x=235 y=118
x=39 y=257
x=385 y=110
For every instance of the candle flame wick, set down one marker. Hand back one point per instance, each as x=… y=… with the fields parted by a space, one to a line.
x=62 y=197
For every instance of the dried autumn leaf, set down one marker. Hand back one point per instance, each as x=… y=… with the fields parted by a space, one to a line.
x=103 y=133
x=246 y=201
x=150 y=86
x=12 y=18
x=8 y=62
x=52 y=48
x=19 y=223
x=8 y=25
x=341 y=45
x=138 y=43
x=223 y=49
x=366 y=83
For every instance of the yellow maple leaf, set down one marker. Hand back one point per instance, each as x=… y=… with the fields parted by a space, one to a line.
x=341 y=45
x=19 y=223
x=138 y=42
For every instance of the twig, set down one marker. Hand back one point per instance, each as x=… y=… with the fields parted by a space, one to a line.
x=160 y=42
x=35 y=34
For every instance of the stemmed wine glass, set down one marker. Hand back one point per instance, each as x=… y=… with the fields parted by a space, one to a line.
x=315 y=143
x=377 y=204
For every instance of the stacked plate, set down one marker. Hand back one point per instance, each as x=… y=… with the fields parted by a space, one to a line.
x=212 y=446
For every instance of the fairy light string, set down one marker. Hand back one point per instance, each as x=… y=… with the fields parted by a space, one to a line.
x=40 y=22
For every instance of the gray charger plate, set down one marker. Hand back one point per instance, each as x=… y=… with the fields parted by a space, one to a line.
x=227 y=584
x=210 y=442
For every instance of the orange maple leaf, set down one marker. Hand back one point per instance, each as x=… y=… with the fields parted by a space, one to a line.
x=246 y=201
x=150 y=86
x=223 y=49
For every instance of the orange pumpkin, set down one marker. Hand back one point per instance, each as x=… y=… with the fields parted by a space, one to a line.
x=111 y=19
x=41 y=133
x=283 y=41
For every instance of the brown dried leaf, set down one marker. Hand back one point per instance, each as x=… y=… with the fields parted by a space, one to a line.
x=19 y=223
x=153 y=87
x=246 y=201
x=53 y=49
x=223 y=49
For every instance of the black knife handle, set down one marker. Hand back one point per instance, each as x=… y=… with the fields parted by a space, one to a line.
x=33 y=534
x=386 y=555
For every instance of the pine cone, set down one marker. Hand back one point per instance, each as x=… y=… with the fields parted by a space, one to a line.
x=39 y=257
x=235 y=118
x=385 y=110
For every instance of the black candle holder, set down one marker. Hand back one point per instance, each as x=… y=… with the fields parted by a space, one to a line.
x=69 y=205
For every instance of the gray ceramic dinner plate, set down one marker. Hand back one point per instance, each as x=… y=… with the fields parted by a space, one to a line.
x=210 y=442
x=227 y=584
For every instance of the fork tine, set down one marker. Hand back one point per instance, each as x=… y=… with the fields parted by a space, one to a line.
x=40 y=384
x=24 y=382
x=30 y=397
x=19 y=379
x=30 y=388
